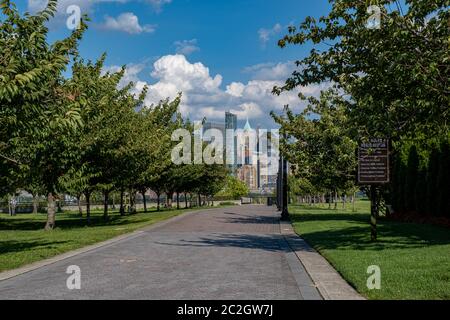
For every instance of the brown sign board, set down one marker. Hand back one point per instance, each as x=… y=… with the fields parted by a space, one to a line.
x=373 y=162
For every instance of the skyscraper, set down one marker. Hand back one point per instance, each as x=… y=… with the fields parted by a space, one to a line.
x=230 y=121
x=231 y=143
x=214 y=125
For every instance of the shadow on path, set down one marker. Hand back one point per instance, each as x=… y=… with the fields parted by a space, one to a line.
x=269 y=243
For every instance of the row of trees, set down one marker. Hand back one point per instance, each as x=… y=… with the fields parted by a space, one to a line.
x=82 y=134
x=387 y=82
x=421 y=180
x=320 y=150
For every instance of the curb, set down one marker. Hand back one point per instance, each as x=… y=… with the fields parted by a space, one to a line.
x=328 y=281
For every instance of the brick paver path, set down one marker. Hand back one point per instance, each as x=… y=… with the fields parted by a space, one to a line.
x=223 y=253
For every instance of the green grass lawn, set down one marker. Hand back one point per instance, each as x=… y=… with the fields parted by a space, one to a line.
x=23 y=240
x=414 y=258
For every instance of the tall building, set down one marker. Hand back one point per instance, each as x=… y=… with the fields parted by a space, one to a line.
x=248 y=171
x=247 y=153
x=214 y=125
x=231 y=150
x=268 y=164
x=230 y=121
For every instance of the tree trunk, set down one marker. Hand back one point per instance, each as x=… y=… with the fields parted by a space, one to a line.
x=178 y=201
x=35 y=203
x=335 y=200
x=158 y=201
x=10 y=207
x=80 y=208
x=51 y=212
x=122 y=208
x=344 y=201
x=353 y=201
x=199 y=200
x=330 y=199
x=144 y=200
x=88 y=207
x=105 y=205
x=133 y=202
x=169 y=199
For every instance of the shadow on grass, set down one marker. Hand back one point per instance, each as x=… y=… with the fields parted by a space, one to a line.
x=69 y=221
x=20 y=246
x=352 y=231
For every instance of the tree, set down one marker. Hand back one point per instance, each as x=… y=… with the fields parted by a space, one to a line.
x=412 y=173
x=301 y=187
x=108 y=120
x=159 y=121
x=37 y=114
x=390 y=82
x=395 y=77
x=420 y=191
x=320 y=147
x=211 y=180
x=432 y=178
x=443 y=181
x=398 y=184
x=234 y=188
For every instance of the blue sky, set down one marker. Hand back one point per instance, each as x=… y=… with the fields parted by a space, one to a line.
x=222 y=54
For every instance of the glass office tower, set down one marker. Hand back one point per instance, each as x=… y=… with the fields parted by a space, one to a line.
x=231 y=124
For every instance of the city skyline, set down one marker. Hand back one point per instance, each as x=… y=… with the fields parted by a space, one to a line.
x=252 y=163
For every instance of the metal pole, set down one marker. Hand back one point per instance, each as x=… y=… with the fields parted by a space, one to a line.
x=279 y=184
x=285 y=211
x=373 y=213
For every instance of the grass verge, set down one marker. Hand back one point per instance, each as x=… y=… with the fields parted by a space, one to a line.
x=23 y=240
x=414 y=258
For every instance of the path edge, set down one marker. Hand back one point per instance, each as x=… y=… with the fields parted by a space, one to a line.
x=8 y=274
x=327 y=280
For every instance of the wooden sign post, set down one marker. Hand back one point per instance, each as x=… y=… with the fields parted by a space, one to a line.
x=373 y=170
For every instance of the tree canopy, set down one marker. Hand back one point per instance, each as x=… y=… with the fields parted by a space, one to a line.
x=82 y=133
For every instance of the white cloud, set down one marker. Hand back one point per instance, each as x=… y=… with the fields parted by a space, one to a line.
x=158 y=4
x=235 y=89
x=186 y=47
x=127 y=22
x=187 y=76
x=175 y=74
x=271 y=71
x=203 y=95
x=265 y=35
x=39 y=5
x=131 y=74
x=86 y=5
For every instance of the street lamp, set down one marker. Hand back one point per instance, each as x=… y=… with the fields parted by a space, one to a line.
x=284 y=211
x=282 y=189
x=279 y=184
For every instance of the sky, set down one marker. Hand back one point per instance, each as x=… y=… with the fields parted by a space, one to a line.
x=221 y=54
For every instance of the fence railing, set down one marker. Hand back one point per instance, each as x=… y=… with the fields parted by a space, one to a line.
x=21 y=207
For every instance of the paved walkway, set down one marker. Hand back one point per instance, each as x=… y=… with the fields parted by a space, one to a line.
x=223 y=253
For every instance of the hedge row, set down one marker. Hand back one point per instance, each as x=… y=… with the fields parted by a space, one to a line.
x=421 y=184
